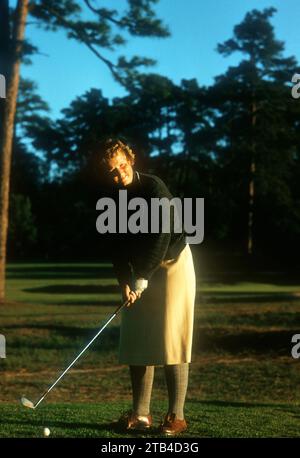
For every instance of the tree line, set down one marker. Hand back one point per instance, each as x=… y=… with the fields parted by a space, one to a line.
x=235 y=143
x=96 y=28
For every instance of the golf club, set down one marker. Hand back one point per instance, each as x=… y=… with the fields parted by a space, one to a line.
x=27 y=403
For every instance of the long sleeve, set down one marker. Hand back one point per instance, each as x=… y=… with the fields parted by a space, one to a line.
x=152 y=256
x=122 y=266
x=139 y=254
x=154 y=246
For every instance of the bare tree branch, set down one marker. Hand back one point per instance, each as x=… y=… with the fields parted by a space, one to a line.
x=101 y=13
x=85 y=39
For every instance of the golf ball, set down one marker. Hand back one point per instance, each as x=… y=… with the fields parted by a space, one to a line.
x=46 y=432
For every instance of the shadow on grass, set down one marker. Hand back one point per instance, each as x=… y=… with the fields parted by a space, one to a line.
x=271 y=278
x=245 y=343
x=56 y=271
x=64 y=336
x=105 y=270
x=239 y=404
x=244 y=297
x=266 y=342
x=82 y=302
x=75 y=289
x=217 y=340
x=201 y=297
x=100 y=303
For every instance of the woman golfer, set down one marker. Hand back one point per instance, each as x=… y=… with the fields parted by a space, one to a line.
x=157 y=328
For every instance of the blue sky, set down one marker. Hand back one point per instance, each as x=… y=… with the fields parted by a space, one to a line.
x=67 y=69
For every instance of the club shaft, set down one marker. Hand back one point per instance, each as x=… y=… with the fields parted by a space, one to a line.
x=82 y=351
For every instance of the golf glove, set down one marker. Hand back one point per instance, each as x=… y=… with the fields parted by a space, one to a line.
x=140 y=284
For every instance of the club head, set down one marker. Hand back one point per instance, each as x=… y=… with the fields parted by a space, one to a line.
x=26 y=403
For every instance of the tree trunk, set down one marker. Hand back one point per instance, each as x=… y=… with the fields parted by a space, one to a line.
x=4 y=49
x=251 y=184
x=187 y=161
x=7 y=130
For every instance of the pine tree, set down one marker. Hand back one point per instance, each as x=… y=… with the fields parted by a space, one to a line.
x=252 y=102
x=106 y=31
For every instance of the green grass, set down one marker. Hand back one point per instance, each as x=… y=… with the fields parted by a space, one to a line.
x=206 y=419
x=243 y=380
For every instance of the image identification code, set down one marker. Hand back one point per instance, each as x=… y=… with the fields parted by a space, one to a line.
x=151 y=447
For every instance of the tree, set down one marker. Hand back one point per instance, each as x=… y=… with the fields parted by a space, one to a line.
x=193 y=119
x=22 y=229
x=8 y=131
x=107 y=31
x=30 y=108
x=252 y=102
x=146 y=115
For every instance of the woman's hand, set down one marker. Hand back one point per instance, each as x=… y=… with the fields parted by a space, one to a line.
x=129 y=295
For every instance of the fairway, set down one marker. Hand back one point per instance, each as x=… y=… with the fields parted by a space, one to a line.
x=243 y=380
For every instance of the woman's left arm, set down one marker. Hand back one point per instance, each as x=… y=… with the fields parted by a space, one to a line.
x=155 y=245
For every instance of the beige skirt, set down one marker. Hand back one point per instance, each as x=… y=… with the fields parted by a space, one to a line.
x=158 y=328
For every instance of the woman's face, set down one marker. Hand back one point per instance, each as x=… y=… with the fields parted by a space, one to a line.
x=120 y=169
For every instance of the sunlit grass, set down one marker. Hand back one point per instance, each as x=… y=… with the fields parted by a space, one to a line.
x=243 y=380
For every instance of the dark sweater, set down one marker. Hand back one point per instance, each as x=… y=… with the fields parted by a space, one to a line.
x=141 y=254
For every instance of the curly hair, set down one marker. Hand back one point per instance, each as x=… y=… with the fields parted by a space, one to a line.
x=113 y=146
